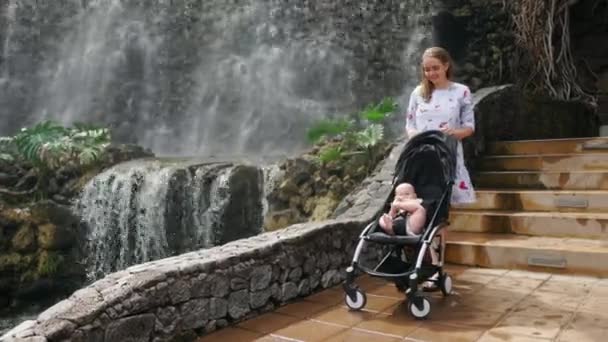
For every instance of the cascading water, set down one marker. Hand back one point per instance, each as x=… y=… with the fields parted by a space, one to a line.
x=10 y=27
x=200 y=77
x=146 y=210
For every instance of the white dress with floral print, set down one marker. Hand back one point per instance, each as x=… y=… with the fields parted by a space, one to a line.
x=452 y=107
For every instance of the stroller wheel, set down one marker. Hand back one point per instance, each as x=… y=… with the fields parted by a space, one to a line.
x=358 y=303
x=445 y=284
x=420 y=311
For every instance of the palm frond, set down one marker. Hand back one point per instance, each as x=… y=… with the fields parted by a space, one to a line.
x=328 y=127
x=370 y=136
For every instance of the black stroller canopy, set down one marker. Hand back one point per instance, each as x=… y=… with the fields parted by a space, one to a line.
x=428 y=162
x=422 y=149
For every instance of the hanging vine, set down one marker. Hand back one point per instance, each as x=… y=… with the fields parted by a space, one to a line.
x=542 y=30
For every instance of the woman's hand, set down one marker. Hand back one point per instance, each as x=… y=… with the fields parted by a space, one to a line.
x=458 y=133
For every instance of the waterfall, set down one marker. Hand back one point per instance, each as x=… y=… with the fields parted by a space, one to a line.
x=146 y=210
x=203 y=78
x=107 y=55
x=6 y=53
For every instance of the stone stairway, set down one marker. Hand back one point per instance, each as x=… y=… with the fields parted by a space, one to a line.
x=542 y=205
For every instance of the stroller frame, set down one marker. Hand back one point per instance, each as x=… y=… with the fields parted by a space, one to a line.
x=415 y=271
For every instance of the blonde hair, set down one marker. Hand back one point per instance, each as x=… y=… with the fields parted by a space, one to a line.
x=426 y=86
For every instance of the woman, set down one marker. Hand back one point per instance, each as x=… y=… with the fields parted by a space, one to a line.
x=440 y=104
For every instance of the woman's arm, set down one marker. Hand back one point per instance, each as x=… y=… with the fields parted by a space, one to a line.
x=459 y=133
x=410 y=116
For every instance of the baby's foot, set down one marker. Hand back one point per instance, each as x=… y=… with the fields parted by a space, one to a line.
x=386 y=223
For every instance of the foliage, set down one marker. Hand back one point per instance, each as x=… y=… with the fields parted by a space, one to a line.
x=328 y=127
x=371 y=136
x=361 y=136
x=330 y=153
x=47 y=146
x=49 y=263
x=378 y=113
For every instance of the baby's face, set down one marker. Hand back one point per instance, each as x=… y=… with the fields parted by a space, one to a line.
x=404 y=193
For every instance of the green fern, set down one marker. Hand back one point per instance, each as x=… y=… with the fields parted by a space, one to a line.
x=330 y=153
x=47 y=146
x=370 y=136
x=328 y=127
x=379 y=112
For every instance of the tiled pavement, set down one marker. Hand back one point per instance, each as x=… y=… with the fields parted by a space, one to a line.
x=488 y=305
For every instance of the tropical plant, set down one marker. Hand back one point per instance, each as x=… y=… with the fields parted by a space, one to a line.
x=379 y=112
x=47 y=146
x=328 y=128
x=356 y=138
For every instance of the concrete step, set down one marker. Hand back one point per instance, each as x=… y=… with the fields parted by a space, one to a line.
x=539 y=200
x=549 y=146
x=544 y=254
x=550 y=224
x=573 y=180
x=546 y=162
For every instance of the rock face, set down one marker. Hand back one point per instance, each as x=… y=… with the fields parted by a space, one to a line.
x=151 y=209
x=38 y=254
x=309 y=190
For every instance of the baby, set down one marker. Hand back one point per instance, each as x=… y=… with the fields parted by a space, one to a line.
x=406 y=206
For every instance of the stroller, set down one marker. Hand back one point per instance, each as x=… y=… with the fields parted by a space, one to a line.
x=428 y=162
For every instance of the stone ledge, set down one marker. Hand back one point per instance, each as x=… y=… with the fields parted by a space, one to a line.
x=201 y=291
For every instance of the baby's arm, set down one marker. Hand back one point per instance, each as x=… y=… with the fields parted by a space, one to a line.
x=410 y=205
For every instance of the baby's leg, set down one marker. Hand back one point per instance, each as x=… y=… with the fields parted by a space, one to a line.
x=416 y=221
x=386 y=223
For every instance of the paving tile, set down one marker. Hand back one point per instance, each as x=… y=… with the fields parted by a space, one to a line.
x=541 y=311
x=388 y=290
x=231 y=334
x=543 y=327
x=585 y=327
x=363 y=336
x=528 y=274
x=381 y=303
x=439 y=333
x=569 y=288
x=599 y=293
x=465 y=316
x=396 y=322
x=273 y=338
x=473 y=278
x=268 y=323
x=342 y=315
x=596 y=307
x=503 y=292
x=310 y=331
x=486 y=271
x=327 y=297
x=498 y=336
x=302 y=309
x=576 y=279
x=367 y=282
x=515 y=284
x=496 y=304
x=554 y=301
x=464 y=287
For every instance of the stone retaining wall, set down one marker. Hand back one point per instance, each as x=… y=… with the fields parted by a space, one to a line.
x=198 y=292
x=195 y=293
